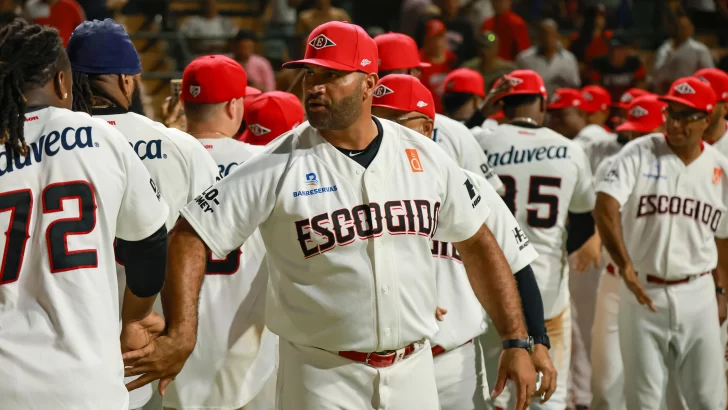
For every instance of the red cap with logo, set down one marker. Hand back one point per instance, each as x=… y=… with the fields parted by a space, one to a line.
x=718 y=79
x=213 y=79
x=565 y=98
x=644 y=114
x=465 y=80
x=692 y=92
x=596 y=98
x=434 y=27
x=626 y=99
x=339 y=46
x=404 y=93
x=270 y=115
x=398 y=51
x=523 y=82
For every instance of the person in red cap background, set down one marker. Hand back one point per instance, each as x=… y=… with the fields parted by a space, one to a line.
x=566 y=112
x=510 y=28
x=597 y=105
x=661 y=210
x=455 y=351
x=398 y=54
x=441 y=60
x=271 y=115
x=342 y=340
x=718 y=127
x=463 y=94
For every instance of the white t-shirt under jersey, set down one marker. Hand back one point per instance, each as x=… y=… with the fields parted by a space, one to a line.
x=336 y=234
x=546 y=176
x=62 y=205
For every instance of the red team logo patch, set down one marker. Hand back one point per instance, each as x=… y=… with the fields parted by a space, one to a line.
x=717 y=173
x=414 y=160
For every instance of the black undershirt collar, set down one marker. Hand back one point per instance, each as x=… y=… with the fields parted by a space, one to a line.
x=35 y=108
x=110 y=110
x=365 y=156
x=524 y=124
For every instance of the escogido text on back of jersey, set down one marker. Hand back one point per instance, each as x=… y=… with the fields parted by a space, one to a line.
x=47 y=146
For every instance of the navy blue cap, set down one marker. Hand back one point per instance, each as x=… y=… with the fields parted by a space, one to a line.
x=102 y=47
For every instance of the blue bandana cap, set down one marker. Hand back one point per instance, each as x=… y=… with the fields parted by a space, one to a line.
x=102 y=47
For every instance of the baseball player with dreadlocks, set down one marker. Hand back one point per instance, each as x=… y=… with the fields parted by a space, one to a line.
x=69 y=184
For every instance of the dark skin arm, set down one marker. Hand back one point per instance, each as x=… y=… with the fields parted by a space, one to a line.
x=164 y=357
x=720 y=276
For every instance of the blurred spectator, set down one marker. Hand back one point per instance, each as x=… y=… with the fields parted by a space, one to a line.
x=95 y=9
x=722 y=9
x=8 y=11
x=270 y=115
x=459 y=30
x=64 y=15
x=464 y=94
x=208 y=34
x=592 y=39
x=703 y=13
x=279 y=28
x=619 y=70
x=259 y=70
x=322 y=13
x=510 y=28
x=488 y=64
x=415 y=12
x=680 y=56
x=476 y=11
x=556 y=65
x=441 y=60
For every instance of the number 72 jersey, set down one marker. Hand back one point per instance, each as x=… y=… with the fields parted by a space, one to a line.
x=545 y=176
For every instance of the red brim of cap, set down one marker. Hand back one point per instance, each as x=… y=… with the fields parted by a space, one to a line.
x=620 y=105
x=559 y=105
x=425 y=65
x=251 y=91
x=320 y=63
x=648 y=126
x=399 y=109
x=252 y=139
x=679 y=100
x=523 y=92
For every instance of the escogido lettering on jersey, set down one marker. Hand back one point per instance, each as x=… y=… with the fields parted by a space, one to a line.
x=312 y=182
x=148 y=149
x=445 y=250
x=514 y=156
x=675 y=205
x=342 y=227
x=48 y=145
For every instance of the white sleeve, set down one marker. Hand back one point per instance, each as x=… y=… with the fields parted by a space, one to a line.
x=202 y=168
x=475 y=161
x=142 y=211
x=705 y=59
x=515 y=245
x=462 y=211
x=620 y=177
x=584 y=196
x=228 y=212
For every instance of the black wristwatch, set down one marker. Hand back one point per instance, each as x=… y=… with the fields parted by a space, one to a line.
x=542 y=340
x=519 y=344
x=719 y=290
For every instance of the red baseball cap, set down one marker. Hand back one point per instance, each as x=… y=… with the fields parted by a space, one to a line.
x=465 y=80
x=434 y=27
x=644 y=114
x=565 y=98
x=596 y=98
x=626 y=99
x=398 y=51
x=339 y=46
x=718 y=79
x=692 y=92
x=523 y=82
x=213 y=79
x=270 y=115
x=404 y=93
x=252 y=91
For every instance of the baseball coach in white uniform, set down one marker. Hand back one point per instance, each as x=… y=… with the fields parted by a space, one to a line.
x=347 y=207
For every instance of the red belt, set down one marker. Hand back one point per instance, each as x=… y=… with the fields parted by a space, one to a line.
x=658 y=280
x=380 y=359
x=611 y=270
x=438 y=350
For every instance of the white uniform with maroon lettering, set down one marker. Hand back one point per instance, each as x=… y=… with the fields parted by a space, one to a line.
x=61 y=207
x=460 y=370
x=459 y=143
x=349 y=258
x=546 y=176
x=593 y=133
x=671 y=215
x=181 y=168
x=235 y=355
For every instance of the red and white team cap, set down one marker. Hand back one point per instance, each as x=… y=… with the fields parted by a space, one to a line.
x=270 y=115
x=692 y=92
x=398 y=51
x=465 y=80
x=596 y=98
x=404 y=93
x=523 y=82
x=565 y=98
x=644 y=114
x=339 y=46
x=213 y=79
x=626 y=98
x=718 y=79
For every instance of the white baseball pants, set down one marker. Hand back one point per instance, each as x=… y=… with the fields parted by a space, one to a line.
x=607 y=383
x=461 y=380
x=682 y=336
x=315 y=379
x=583 y=291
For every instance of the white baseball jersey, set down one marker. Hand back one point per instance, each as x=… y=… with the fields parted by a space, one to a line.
x=61 y=207
x=598 y=151
x=466 y=317
x=722 y=144
x=232 y=317
x=180 y=167
x=348 y=247
x=546 y=176
x=593 y=133
x=459 y=143
x=675 y=211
